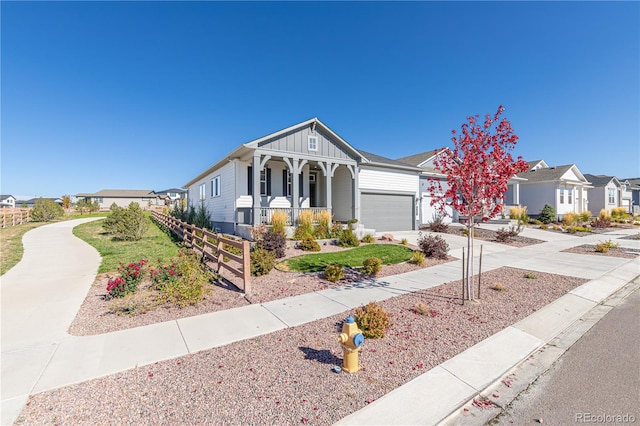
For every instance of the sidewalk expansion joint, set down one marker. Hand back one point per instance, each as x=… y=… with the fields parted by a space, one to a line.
x=186 y=345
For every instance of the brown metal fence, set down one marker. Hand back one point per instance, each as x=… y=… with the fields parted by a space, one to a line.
x=225 y=253
x=13 y=217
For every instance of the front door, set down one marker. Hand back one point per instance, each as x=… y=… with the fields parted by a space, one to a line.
x=312 y=189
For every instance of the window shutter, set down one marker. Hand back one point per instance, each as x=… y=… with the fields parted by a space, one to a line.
x=301 y=184
x=268 y=182
x=250 y=180
x=284 y=183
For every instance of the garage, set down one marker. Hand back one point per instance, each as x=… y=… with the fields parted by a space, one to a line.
x=387 y=212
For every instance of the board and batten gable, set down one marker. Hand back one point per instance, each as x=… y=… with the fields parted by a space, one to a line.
x=297 y=141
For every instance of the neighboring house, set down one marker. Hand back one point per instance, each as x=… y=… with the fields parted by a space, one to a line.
x=306 y=166
x=122 y=197
x=7 y=201
x=170 y=196
x=428 y=212
x=634 y=189
x=563 y=187
x=32 y=202
x=607 y=193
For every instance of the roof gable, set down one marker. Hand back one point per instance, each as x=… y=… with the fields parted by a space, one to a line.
x=568 y=173
x=601 y=180
x=121 y=193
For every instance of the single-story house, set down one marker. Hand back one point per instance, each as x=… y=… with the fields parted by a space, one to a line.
x=171 y=196
x=607 y=193
x=7 y=201
x=425 y=161
x=32 y=202
x=563 y=187
x=122 y=197
x=306 y=166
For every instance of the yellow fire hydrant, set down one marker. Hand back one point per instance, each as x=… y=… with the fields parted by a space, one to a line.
x=352 y=341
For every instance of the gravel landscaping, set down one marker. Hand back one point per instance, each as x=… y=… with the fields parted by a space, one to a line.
x=97 y=316
x=286 y=378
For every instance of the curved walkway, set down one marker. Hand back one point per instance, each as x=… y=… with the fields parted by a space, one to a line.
x=41 y=295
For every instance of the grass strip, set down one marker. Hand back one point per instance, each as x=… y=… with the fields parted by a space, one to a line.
x=387 y=253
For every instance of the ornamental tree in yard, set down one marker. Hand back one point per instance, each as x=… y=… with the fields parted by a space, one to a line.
x=477 y=172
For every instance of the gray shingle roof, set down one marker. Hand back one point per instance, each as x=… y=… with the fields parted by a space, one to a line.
x=121 y=193
x=598 y=180
x=420 y=158
x=545 y=174
x=384 y=160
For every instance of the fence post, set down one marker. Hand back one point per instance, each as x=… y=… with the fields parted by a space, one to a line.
x=246 y=267
x=220 y=258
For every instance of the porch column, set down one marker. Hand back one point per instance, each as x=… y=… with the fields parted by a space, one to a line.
x=355 y=193
x=328 y=170
x=295 y=167
x=516 y=193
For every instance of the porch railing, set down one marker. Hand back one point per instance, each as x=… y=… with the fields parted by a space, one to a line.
x=266 y=214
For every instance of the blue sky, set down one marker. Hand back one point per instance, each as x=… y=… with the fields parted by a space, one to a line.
x=146 y=95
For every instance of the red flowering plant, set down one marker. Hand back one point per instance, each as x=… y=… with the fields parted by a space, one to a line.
x=127 y=282
x=165 y=274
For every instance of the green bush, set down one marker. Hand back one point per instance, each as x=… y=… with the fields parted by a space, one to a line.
x=437 y=224
x=373 y=320
x=371 y=266
x=547 y=214
x=309 y=243
x=604 y=247
x=334 y=272
x=335 y=230
x=127 y=224
x=201 y=217
x=46 y=210
x=348 y=239
x=262 y=261
x=433 y=246
x=368 y=238
x=189 y=282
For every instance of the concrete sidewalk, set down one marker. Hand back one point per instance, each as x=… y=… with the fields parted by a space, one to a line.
x=39 y=304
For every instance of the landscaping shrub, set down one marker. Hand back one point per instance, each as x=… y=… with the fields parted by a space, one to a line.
x=323 y=217
x=189 y=282
x=371 y=266
x=46 y=210
x=519 y=214
x=348 y=239
x=335 y=231
x=422 y=309
x=530 y=275
x=334 y=272
x=309 y=243
x=126 y=223
x=373 y=320
x=201 y=217
x=274 y=241
x=605 y=246
x=437 y=224
x=368 y=238
x=127 y=282
x=262 y=261
x=418 y=258
x=498 y=287
x=547 y=214
x=585 y=216
x=279 y=221
x=618 y=213
x=569 y=219
x=433 y=246
x=179 y=211
x=305 y=224
x=404 y=241
x=508 y=234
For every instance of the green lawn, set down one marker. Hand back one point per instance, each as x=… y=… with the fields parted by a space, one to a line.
x=388 y=253
x=11 y=248
x=154 y=245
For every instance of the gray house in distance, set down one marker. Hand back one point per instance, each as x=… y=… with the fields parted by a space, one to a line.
x=122 y=197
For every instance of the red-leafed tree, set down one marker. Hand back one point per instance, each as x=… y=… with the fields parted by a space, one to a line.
x=477 y=170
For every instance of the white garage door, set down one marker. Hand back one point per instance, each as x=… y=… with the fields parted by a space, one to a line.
x=387 y=212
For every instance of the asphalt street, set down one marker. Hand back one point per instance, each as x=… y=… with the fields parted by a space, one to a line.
x=597 y=381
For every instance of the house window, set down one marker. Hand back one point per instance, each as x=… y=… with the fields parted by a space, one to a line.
x=313 y=143
x=561 y=195
x=612 y=195
x=265 y=181
x=570 y=195
x=215 y=187
x=203 y=191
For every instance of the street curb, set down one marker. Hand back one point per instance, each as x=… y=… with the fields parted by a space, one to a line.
x=491 y=402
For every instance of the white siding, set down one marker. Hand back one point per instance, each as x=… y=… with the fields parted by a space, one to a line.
x=597 y=200
x=535 y=196
x=222 y=207
x=388 y=180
